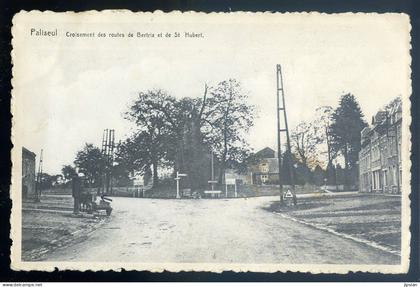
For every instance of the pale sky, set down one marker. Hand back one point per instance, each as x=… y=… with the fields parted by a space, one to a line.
x=68 y=90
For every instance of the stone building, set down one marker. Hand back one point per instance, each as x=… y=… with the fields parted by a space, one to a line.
x=28 y=173
x=380 y=154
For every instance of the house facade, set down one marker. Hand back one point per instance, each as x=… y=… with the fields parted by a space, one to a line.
x=266 y=170
x=28 y=173
x=380 y=155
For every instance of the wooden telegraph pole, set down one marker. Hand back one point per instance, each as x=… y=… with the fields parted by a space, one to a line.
x=108 y=146
x=282 y=127
x=39 y=179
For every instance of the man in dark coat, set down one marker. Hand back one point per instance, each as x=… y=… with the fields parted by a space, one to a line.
x=76 y=189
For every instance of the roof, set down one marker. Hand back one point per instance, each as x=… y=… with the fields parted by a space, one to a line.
x=365 y=131
x=382 y=120
x=379 y=117
x=396 y=108
x=265 y=151
x=28 y=153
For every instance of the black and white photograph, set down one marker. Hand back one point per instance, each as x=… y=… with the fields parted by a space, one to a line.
x=211 y=142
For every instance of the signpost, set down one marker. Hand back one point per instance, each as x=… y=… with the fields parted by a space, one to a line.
x=177 y=178
x=290 y=196
x=215 y=193
x=212 y=182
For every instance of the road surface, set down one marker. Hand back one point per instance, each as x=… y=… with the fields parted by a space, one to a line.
x=212 y=231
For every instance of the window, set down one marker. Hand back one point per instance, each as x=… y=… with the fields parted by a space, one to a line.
x=385 y=178
x=394 y=175
x=400 y=177
x=373 y=181
x=264 y=178
x=380 y=180
x=264 y=167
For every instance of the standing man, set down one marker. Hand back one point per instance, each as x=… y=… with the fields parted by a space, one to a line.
x=76 y=188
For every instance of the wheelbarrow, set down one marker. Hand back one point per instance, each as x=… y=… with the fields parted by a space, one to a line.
x=103 y=204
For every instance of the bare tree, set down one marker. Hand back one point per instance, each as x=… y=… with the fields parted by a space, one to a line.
x=304 y=141
x=322 y=125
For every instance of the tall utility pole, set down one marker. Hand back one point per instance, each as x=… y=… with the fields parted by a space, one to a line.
x=282 y=127
x=38 y=180
x=108 y=146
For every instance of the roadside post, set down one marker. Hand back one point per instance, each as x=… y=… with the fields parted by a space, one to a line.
x=212 y=182
x=231 y=181
x=138 y=185
x=290 y=197
x=177 y=178
x=325 y=183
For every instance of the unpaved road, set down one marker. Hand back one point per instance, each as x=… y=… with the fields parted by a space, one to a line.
x=213 y=231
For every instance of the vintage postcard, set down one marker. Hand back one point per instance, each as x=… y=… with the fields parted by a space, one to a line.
x=177 y=141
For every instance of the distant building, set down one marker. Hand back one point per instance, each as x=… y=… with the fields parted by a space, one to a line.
x=266 y=169
x=380 y=154
x=231 y=174
x=28 y=173
x=266 y=153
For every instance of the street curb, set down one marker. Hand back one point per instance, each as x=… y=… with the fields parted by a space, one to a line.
x=326 y=194
x=48 y=210
x=37 y=254
x=343 y=235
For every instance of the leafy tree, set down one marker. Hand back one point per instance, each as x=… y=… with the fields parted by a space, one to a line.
x=155 y=141
x=195 y=159
x=147 y=176
x=46 y=181
x=331 y=174
x=120 y=174
x=341 y=175
x=318 y=176
x=192 y=152
x=290 y=164
x=230 y=120
x=345 y=131
x=182 y=133
x=68 y=172
x=141 y=152
x=302 y=173
x=57 y=180
x=91 y=162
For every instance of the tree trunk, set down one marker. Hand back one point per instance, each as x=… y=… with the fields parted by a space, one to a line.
x=225 y=138
x=155 y=174
x=346 y=167
x=304 y=161
x=221 y=171
x=328 y=145
x=223 y=160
